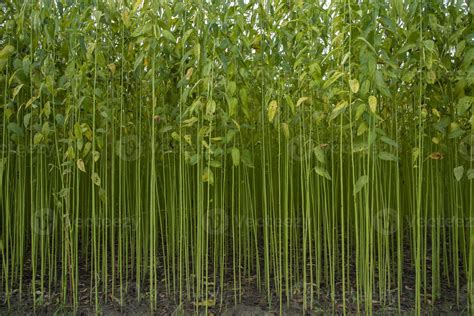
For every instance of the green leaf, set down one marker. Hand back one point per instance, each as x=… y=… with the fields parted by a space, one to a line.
x=247 y=158
x=387 y=156
x=470 y=174
x=26 y=120
x=360 y=110
x=169 y=36
x=235 y=152
x=389 y=141
x=429 y=45
x=15 y=128
x=333 y=79
x=290 y=103
x=7 y=51
x=455 y=131
x=215 y=164
x=319 y=153
x=322 y=172
x=464 y=104
x=405 y=48
x=368 y=44
x=381 y=85
x=233 y=109
x=458 y=172
x=360 y=183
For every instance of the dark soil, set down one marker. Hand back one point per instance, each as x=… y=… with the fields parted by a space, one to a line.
x=253 y=302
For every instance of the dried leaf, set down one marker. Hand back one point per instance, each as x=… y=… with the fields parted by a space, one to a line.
x=436 y=155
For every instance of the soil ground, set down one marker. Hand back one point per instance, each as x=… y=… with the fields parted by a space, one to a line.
x=253 y=301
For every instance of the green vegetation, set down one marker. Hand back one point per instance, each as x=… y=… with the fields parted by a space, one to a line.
x=165 y=143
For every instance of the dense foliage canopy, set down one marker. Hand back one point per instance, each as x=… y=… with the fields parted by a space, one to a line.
x=323 y=143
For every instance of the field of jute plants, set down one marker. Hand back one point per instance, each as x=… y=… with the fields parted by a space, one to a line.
x=193 y=156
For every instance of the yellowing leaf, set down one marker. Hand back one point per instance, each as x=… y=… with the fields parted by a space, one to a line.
x=189 y=73
x=37 y=138
x=175 y=136
x=126 y=18
x=338 y=109
x=7 y=51
x=190 y=122
x=286 y=130
x=207 y=303
x=362 y=128
x=301 y=100
x=80 y=165
x=46 y=109
x=17 y=90
x=30 y=101
x=271 y=110
x=372 y=103
x=415 y=154
x=333 y=79
x=208 y=176
x=95 y=155
x=136 y=5
x=112 y=67
x=187 y=139
x=211 y=107
x=431 y=77
x=458 y=173
x=354 y=84
x=95 y=179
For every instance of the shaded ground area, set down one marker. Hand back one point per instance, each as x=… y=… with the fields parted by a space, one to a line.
x=253 y=302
